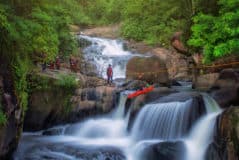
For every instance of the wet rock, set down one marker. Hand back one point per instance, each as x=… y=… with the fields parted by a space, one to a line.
x=66 y=151
x=151 y=69
x=53 y=131
x=227 y=78
x=48 y=107
x=165 y=151
x=11 y=130
x=88 y=69
x=83 y=43
x=205 y=81
x=226 y=137
x=175 y=83
x=226 y=97
x=225 y=90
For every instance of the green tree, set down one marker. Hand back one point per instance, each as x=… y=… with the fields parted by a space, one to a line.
x=217 y=34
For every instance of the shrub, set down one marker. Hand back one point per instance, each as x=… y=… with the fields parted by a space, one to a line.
x=67 y=82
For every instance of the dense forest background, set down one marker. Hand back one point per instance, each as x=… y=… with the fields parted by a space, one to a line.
x=39 y=30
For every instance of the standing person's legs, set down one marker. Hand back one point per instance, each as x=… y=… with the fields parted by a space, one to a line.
x=111 y=79
x=108 y=79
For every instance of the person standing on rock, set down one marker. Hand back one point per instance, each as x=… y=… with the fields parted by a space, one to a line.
x=109 y=74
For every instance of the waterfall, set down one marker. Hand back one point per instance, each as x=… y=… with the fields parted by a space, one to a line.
x=112 y=126
x=120 y=111
x=106 y=137
x=103 y=52
x=162 y=121
x=169 y=121
x=202 y=133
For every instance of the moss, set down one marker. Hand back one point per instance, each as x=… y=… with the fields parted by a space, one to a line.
x=67 y=82
x=67 y=106
x=36 y=82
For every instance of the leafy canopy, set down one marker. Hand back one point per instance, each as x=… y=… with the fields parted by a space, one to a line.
x=218 y=35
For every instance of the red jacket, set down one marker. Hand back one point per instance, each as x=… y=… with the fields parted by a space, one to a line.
x=109 y=71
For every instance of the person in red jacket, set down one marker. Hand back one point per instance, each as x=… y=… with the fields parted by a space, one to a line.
x=58 y=63
x=109 y=74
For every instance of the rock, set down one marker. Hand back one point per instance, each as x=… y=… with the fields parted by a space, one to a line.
x=205 y=81
x=134 y=85
x=82 y=42
x=177 y=64
x=46 y=108
x=109 y=31
x=226 y=137
x=53 y=131
x=177 y=43
x=151 y=70
x=10 y=131
x=175 y=83
x=225 y=90
x=226 y=97
x=56 y=106
x=227 y=78
x=164 y=151
x=61 y=151
x=88 y=69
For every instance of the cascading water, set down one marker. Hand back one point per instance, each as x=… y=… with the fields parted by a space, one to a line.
x=202 y=133
x=103 y=52
x=107 y=138
x=162 y=121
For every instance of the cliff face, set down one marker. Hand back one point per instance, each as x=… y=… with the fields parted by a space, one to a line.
x=11 y=117
x=53 y=104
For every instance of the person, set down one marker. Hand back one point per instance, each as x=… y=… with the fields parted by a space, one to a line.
x=109 y=74
x=43 y=66
x=58 y=63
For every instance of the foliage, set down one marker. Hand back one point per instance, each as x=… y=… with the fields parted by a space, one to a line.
x=67 y=82
x=3 y=118
x=217 y=34
x=21 y=69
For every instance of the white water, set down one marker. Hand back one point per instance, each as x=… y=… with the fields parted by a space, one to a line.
x=155 y=123
x=162 y=121
x=202 y=133
x=103 y=52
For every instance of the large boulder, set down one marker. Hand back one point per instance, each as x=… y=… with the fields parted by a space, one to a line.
x=177 y=64
x=226 y=137
x=225 y=90
x=102 y=98
x=205 y=81
x=55 y=104
x=164 y=151
x=227 y=78
x=149 y=69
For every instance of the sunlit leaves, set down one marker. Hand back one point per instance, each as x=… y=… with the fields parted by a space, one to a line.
x=218 y=35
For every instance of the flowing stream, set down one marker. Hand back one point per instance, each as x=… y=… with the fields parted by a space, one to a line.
x=107 y=138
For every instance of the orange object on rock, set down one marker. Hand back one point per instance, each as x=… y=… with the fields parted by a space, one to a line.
x=144 y=91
